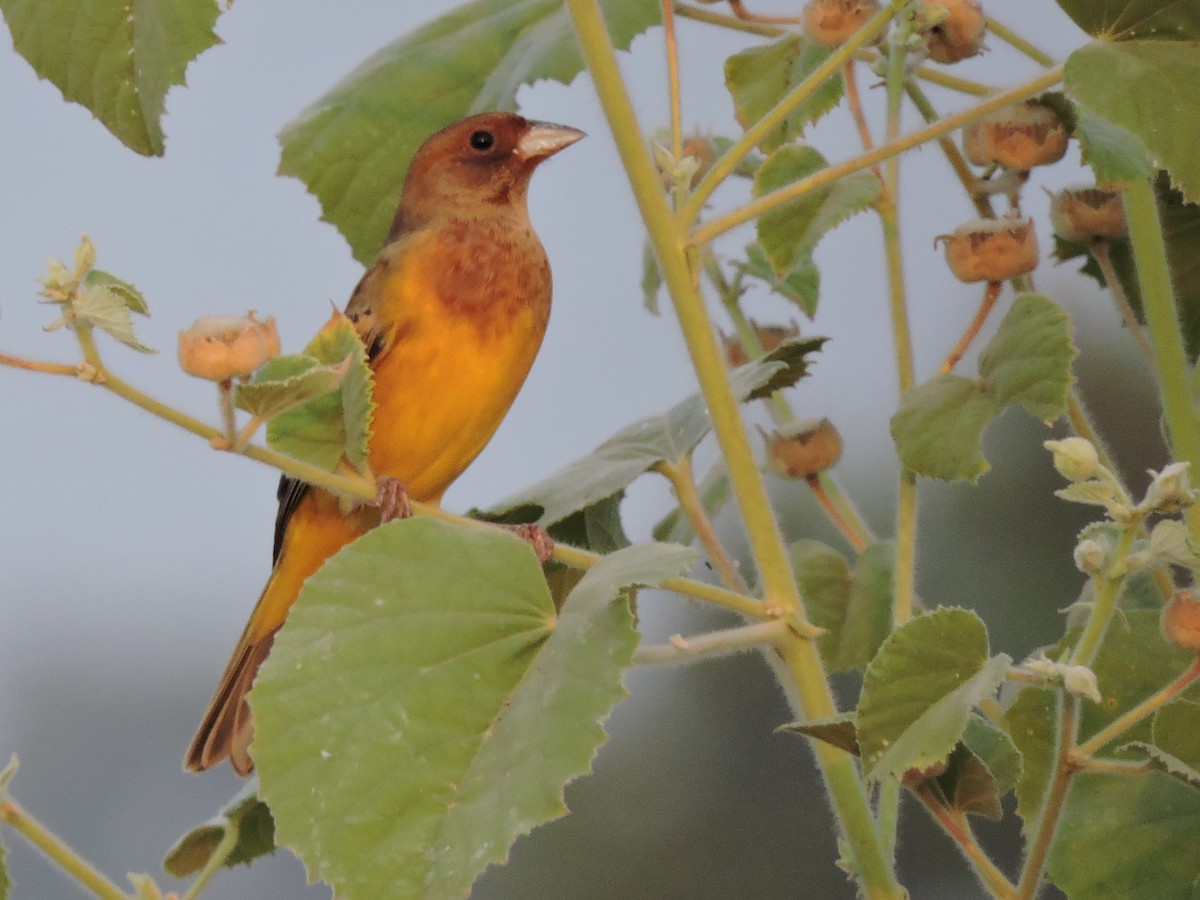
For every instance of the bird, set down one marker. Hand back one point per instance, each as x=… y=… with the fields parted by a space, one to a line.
x=452 y=313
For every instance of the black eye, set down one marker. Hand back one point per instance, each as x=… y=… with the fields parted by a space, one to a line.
x=482 y=140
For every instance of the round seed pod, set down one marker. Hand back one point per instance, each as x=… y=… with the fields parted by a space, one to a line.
x=1017 y=137
x=804 y=449
x=991 y=249
x=1181 y=621
x=830 y=22
x=1088 y=214
x=960 y=34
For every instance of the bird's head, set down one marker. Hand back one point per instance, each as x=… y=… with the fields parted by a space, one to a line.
x=476 y=167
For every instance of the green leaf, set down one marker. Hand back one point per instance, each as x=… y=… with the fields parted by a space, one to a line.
x=793 y=354
x=1131 y=836
x=425 y=704
x=1031 y=723
x=107 y=309
x=255 y=828
x=919 y=690
x=286 y=382
x=938 y=429
x=1175 y=728
x=1145 y=20
x=334 y=424
x=837 y=731
x=652 y=280
x=789 y=233
x=800 y=283
x=1149 y=88
x=758 y=78
x=968 y=786
x=117 y=58
x=353 y=146
x=855 y=608
x=635 y=449
x=1115 y=154
x=131 y=296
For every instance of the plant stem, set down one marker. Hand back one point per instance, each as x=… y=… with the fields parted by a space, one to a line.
x=1114 y=766
x=1107 y=589
x=681 y=478
x=707 y=646
x=731 y=22
x=966 y=175
x=1039 y=847
x=830 y=68
x=709 y=230
x=672 y=49
x=1014 y=40
x=1099 y=250
x=58 y=852
x=1162 y=320
x=671 y=248
x=216 y=860
x=889 y=815
x=34 y=365
x=817 y=486
x=228 y=416
x=959 y=830
x=1146 y=708
x=991 y=294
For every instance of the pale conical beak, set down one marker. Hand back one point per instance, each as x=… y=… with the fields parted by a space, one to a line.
x=545 y=139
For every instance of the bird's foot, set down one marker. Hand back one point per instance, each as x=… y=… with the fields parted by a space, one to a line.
x=537 y=538
x=392 y=500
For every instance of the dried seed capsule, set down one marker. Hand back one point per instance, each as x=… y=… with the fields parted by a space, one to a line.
x=831 y=22
x=991 y=249
x=1017 y=137
x=1088 y=214
x=1181 y=621
x=960 y=34
x=770 y=336
x=223 y=347
x=804 y=449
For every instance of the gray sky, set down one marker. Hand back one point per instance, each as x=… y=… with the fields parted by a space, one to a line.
x=131 y=554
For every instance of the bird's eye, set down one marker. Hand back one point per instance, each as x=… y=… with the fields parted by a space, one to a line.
x=482 y=140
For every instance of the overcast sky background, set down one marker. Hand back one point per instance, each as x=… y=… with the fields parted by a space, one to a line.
x=131 y=554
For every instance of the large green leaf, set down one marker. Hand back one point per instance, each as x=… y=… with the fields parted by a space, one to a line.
x=938 y=429
x=919 y=690
x=1175 y=729
x=255 y=830
x=758 y=78
x=637 y=448
x=118 y=58
x=790 y=233
x=1115 y=154
x=1136 y=837
x=353 y=146
x=1148 y=87
x=1144 y=20
x=425 y=703
x=855 y=607
x=1031 y=724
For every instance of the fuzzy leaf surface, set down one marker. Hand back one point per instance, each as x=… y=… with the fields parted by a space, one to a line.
x=353 y=145
x=117 y=58
x=286 y=382
x=425 y=704
x=919 y=690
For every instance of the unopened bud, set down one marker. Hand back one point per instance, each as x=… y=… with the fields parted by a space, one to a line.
x=85 y=256
x=1091 y=556
x=1080 y=681
x=1171 y=490
x=1075 y=458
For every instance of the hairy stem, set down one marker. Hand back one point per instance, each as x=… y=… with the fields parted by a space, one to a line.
x=1099 y=250
x=681 y=478
x=959 y=830
x=713 y=644
x=991 y=293
x=1107 y=589
x=1047 y=824
x=215 y=862
x=1019 y=43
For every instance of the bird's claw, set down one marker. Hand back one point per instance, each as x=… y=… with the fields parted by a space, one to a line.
x=392 y=499
x=537 y=538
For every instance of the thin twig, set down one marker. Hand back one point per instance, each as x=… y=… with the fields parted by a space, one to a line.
x=707 y=646
x=1039 y=847
x=990 y=295
x=33 y=365
x=960 y=832
x=1099 y=251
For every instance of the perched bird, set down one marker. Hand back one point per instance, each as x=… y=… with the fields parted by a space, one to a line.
x=452 y=313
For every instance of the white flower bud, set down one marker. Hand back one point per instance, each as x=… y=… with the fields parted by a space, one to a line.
x=1080 y=681
x=1074 y=457
x=1091 y=556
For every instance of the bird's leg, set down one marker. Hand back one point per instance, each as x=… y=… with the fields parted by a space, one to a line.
x=392 y=499
x=537 y=538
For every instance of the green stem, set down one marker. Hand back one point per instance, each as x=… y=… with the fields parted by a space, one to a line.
x=1147 y=707
x=958 y=829
x=58 y=852
x=713 y=644
x=731 y=22
x=1043 y=834
x=1106 y=590
x=709 y=230
x=1014 y=40
x=216 y=861
x=1162 y=320
x=889 y=814
x=1099 y=251
x=681 y=478
x=888 y=207
x=673 y=98
x=812 y=691
x=830 y=68
x=966 y=175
